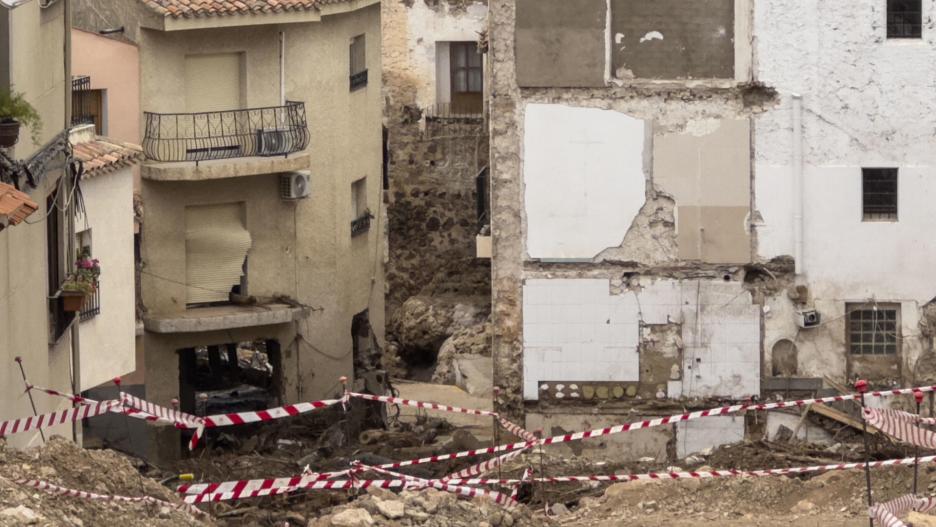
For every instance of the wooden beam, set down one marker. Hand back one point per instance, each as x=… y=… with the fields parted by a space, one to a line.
x=842 y=417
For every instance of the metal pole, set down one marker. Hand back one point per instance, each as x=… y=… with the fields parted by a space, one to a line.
x=918 y=395
x=862 y=386
x=495 y=436
x=32 y=403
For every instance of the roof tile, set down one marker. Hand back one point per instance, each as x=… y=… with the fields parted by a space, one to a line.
x=15 y=206
x=104 y=155
x=205 y=8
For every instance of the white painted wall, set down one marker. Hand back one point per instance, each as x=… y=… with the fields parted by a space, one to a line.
x=108 y=341
x=583 y=171
x=712 y=432
x=868 y=102
x=427 y=26
x=576 y=330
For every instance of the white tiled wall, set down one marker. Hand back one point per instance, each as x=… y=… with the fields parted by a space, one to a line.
x=575 y=330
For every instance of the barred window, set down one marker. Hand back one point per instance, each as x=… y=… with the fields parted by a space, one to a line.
x=358 y=60
x=904 y=19
x=879 y=194
x=873 y=331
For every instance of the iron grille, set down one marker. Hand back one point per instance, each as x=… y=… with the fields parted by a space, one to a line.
x=879 y=193
x=904 y=19
x=360 y=225
x=271 y=131
x=358 y=80
x=455 y=113
x=82 y=101
x=92 y=306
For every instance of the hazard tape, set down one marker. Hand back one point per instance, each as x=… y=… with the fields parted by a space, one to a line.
x=162 y=413
x=255 y=484
x=462 y=490
x=132 y=412
x=483 y=467
x=63 y=491
x=39 y=422
x=271 y=414
x=884 y=518
x=900 y=425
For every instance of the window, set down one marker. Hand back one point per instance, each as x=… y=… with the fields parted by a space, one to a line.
x=358 y=63
x=904 y=19
x=879 y=194
x=92 y=305
x=873 y=329
x=88 y=106
x=59 y=319
x=216 y=245
x=360 y=214
x=467 y=73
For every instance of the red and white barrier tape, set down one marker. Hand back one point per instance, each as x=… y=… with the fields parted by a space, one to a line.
x=271 y=414
x=70 y=396
x=483 y=467
x=163 y=414
x=342 y=484
x=900 y=425
x=884 y=518
x=62 y=491
x=25 y=424
x=255 y=484
x=419 y=483
x=517 y=430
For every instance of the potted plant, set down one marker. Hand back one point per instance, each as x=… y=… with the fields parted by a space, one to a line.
x=82 y=283
x=15 y=111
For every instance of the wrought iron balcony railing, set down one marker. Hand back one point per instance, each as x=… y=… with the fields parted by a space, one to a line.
x=272 y=131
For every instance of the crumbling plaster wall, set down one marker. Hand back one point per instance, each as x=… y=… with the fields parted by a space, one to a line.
x=649 y=245
x=866 y=103
x=432 y=188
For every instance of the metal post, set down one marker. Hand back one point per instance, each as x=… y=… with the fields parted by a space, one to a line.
x=862 y=386
x=495 y=436
x=32 y=403
x=918 y=396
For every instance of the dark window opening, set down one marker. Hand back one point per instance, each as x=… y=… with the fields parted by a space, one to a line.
x=358 y=54
x=879 y=194
x=386 y=159
x=873 y=330
x=231 y=377
x=59 y=319
x=904 y=19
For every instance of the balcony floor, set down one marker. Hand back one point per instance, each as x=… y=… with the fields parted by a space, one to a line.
x=223 y=168
x=216 y=318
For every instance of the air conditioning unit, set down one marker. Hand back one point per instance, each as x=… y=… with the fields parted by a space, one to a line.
x=808 y=319
x=272 y=142
x=295 y=185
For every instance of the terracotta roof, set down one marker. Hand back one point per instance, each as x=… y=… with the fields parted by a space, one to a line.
x=15 y=206
x=203 y=8
x=103 y=155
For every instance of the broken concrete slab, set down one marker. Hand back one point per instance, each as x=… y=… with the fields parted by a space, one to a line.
x=474 y=374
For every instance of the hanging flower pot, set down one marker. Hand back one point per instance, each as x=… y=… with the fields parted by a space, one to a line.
x=73 y=301
x=9 y=133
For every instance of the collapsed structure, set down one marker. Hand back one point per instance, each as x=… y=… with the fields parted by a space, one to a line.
x=687 y=205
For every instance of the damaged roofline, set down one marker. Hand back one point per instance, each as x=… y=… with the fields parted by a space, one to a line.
x=169 y=23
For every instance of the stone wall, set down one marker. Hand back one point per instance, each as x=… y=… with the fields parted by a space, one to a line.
x=432 y=163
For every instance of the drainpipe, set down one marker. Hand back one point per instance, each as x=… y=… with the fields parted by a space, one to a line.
x=798 y=192
x=282 y=65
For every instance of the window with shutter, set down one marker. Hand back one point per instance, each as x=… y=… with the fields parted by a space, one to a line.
x=216 y=246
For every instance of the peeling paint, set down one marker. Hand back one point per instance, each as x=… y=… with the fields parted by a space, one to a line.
x=652 y=35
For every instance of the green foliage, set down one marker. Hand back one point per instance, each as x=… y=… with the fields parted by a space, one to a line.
x=84 y=279
x=14 y=106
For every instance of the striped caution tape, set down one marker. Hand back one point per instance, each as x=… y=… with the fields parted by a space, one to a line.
x=78 y=399
x=900 y=425
x=462 y=490
x=63 y=491
x=39 y=422
x=255 y=484
x=163 y=414
x=483 y=467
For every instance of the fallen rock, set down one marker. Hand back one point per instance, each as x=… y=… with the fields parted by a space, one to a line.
x=22 y=515
x=803 y=506
x=391 y=509
x=474 y=374
x=558 y=509
x=352 y=518
x=921 y=520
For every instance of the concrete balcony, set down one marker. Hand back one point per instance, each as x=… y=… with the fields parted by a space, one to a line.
x=195 y=146
x=217 y=318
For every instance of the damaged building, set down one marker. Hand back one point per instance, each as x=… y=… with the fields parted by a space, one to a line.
x=261 y=250
x=686 y=206
x=436 y=148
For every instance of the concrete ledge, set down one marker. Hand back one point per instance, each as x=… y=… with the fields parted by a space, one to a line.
x=223 y=168
x=222 y=317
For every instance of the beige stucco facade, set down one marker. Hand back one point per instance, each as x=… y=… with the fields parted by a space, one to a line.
x=301 y=249
x=32 y=41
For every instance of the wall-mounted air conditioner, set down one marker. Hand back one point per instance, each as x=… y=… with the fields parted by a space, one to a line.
x=295 y=185
x=272 y=142
x=808 y=319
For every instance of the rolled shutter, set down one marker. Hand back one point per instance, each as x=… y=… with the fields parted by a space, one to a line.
x=216 y=245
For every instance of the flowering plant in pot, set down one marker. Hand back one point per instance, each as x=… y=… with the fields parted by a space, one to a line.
x=82 y=283
x=15 y=111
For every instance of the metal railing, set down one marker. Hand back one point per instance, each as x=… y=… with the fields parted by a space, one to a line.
x=92 y=305
x=271 y=131
x=82 y=104
x=361 y=225
x=454 y=112
x=483 y=203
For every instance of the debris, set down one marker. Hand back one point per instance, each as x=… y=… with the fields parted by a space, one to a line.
x=391 y=509
x=22 y=515
x=352 y=518
x=558 y=509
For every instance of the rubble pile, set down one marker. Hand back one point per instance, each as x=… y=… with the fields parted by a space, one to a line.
x=62 y=463
x=429 y=508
